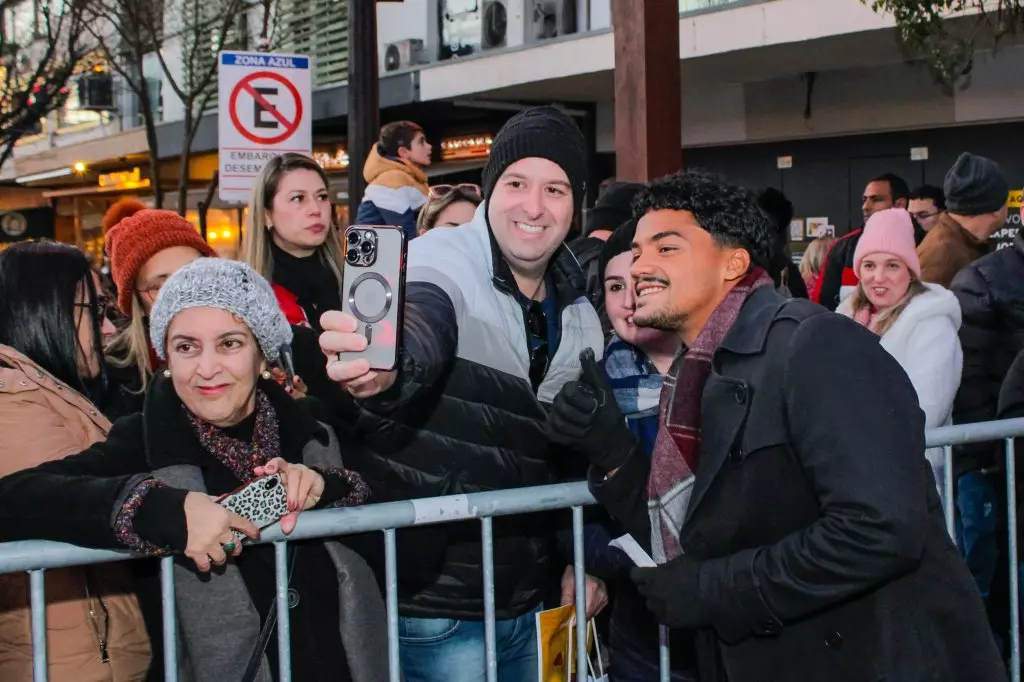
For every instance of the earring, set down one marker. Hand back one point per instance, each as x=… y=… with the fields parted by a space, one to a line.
x=270 y=228
x=267 y=375
x=167 y=374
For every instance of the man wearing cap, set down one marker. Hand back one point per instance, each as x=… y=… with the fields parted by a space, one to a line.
x=976 y=193
x=990 y=290
x=495 y=320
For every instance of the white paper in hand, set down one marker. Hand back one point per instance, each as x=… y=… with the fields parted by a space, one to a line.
x=633 y=550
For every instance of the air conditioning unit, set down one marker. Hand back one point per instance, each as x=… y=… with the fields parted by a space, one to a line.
x=96 y=92
x=493 y=24
x=403 y=54
x=552 y=18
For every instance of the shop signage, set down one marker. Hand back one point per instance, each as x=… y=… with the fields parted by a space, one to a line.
x=265 y=103
x=466 y=147
x=336 y=159
x=1004 y=237
x=123 y=180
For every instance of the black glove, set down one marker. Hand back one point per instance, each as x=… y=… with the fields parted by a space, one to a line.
x=585 y=416
x=671 y=592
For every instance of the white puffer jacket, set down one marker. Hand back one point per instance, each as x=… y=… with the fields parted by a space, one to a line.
x=925 y=340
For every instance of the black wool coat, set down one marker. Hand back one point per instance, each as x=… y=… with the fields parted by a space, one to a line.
x=818 y=538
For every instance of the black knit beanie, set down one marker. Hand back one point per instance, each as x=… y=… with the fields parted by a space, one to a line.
x=620 y=242
x=545 y=132
x=975 y=186
x=613 y=207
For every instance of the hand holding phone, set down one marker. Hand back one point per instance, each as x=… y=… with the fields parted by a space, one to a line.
x=341 y=339
x=262 y=501
x=373 y=291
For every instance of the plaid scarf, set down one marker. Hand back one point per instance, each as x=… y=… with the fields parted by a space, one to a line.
x=633 y=378
x=677 y=448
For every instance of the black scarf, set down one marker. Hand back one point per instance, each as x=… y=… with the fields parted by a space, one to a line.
x=310 y=279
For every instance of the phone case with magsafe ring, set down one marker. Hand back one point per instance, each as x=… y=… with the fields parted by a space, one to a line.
x=373 y=290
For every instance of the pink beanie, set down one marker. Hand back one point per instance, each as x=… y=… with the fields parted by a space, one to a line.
x=889 y=231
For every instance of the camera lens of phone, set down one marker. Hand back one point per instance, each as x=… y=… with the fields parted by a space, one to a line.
x=366 y=247
x=352 y=256
x=353 y=237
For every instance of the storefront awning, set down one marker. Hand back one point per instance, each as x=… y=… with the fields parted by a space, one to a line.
x=438 y=170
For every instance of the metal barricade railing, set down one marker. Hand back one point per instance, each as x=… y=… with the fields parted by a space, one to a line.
x=36 y=556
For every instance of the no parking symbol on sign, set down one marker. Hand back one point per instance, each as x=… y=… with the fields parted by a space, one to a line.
x=264 y=111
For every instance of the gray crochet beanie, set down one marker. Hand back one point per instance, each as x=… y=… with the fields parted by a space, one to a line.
x=228 y=285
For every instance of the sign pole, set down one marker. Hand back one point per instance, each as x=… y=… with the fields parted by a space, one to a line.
x=363 y=96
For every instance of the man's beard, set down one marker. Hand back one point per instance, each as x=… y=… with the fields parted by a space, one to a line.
x=665 y=320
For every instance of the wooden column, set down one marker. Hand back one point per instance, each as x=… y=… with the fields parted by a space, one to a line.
x=648 y=139
x=363 y=95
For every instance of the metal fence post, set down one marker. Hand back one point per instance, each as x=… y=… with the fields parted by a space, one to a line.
x=949 y=486
x=284 y=631
x=1011 y=518
x=391 y=590
x=490 y=640
x=580 y=577
x=169 y=617
x=37 y=591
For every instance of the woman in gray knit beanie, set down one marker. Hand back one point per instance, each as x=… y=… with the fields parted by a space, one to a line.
x=213 y=422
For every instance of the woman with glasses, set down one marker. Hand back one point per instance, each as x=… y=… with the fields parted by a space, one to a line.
x=52 y=325
x=145 y=248
x=449 y=206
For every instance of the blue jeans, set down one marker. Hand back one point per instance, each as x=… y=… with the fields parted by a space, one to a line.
x=977 y=526
x=449 y=650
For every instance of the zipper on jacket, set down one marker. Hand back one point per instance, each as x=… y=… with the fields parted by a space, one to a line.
x=101 y=639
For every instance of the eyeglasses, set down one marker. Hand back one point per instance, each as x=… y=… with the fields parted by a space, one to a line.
x=102 y=305
x=924 y=215
x=152 y=288
x=441 y=191
x=537 y=326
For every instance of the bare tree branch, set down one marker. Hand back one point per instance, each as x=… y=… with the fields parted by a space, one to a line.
x=35 y=67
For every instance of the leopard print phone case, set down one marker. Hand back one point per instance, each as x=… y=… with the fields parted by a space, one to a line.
x=263 y=501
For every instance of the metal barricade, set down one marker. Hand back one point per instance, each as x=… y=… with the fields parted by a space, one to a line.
x=37 y=556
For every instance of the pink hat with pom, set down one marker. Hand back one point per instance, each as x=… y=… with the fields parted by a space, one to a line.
x=889 y=231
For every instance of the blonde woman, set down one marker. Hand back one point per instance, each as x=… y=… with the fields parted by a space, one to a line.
x=814 y=260
x=448 y=206
x=291 y=240
x=918 y=322
x=145 y=248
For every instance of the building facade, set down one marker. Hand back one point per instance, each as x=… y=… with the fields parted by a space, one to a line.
x=813 y=97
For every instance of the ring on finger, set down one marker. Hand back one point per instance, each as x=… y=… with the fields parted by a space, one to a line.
x=229 y=546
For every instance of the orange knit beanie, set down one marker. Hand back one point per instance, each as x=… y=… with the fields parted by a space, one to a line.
x=137 y=238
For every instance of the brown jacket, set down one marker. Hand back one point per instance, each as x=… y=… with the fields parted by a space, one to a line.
x=43 y=419
x=947 y=250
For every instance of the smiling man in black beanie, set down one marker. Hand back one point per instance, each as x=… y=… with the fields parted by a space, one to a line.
x=495 y=319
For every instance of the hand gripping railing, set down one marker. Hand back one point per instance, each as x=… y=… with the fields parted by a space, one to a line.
x=36 y=556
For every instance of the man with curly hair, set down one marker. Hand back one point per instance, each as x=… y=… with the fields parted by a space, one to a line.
x=788 y=505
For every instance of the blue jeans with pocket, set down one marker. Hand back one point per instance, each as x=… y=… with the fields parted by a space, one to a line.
x=977 y=526
x=449 y=650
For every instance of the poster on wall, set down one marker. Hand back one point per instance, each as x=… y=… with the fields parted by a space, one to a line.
x=816 y=227
x=796 y=230
x=1004 y=237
